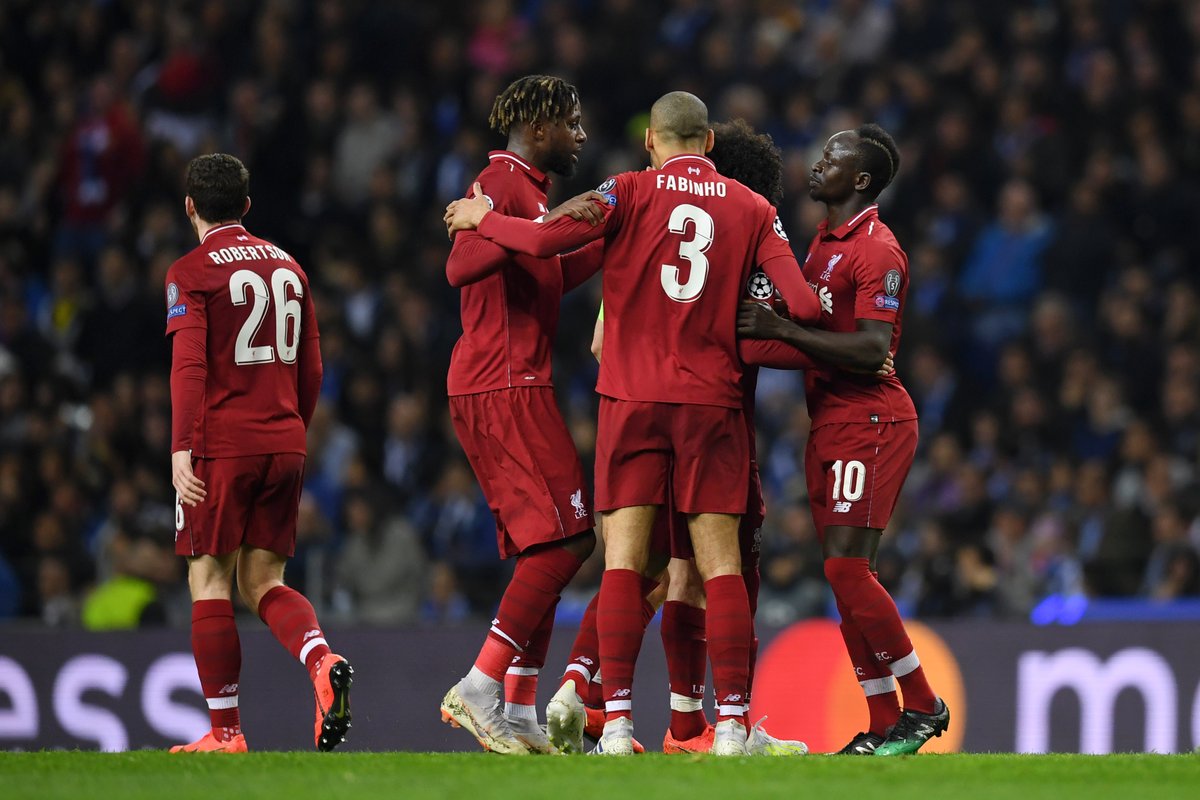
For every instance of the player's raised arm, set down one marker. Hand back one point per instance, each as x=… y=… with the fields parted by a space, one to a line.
x=774 y=257
x=541 y=240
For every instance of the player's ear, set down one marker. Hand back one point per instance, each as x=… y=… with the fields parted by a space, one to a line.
x=189 y=207
x=709 y=141
x=537 y=130
x=862 y=181
x=246 y=210
x=649 y=140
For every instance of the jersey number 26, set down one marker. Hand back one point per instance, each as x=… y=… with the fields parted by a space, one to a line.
x=287 y=336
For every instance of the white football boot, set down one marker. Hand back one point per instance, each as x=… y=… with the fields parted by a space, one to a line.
x=533 y=735
x=617 y=739
x=761 y=743
x=566 y=719
x=482 y=715
x=729 y=739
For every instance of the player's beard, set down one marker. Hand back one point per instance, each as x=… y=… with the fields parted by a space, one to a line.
x=564 y=165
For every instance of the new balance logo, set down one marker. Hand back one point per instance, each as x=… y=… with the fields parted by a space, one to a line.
x=229 y=688
x=314 y=633
x=693 y=170
x=732 y=698
x=622 y=693
x=585 y=661
x=841 y=507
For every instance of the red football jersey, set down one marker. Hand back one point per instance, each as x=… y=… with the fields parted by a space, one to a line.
x=509 y=301
x=859 y=272
x=679 y=245
x=252 y=300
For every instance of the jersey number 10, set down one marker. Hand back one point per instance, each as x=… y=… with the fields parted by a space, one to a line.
x=244 y=351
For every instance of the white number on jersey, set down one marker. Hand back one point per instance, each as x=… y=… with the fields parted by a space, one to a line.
x=285 y=309
x=692 y=250
x=855 y=475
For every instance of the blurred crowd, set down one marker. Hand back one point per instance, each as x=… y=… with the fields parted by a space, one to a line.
x=1050 y=169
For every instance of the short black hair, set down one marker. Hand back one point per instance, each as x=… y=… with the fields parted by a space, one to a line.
x=218 y=184
x=680 y=116
x=750 y=158
x=877 y=155
x=533 y=98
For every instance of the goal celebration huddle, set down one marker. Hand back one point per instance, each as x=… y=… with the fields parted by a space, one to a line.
x=701 y=288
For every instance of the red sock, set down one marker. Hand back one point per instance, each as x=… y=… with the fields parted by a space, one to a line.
x=585 y=653
x=595 y=696
x=683 y=630
x=728 y=623
x=218 y=653
x=874 y=677
x=877 y=619
x=536 y=585
x=521 y=679
x=619 y=618
x=293 y=622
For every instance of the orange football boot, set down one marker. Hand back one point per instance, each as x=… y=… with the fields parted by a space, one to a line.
x=697 y=744
x=211 y=744
x=331 y=688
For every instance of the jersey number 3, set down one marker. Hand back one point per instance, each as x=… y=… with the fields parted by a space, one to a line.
x=287 y=336
x=691 y=250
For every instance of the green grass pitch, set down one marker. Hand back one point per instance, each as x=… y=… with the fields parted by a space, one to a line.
x=298 y=776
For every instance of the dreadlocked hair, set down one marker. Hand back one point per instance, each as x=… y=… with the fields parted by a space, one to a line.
x=750 y=158
x=879 y=156
x=532 y=98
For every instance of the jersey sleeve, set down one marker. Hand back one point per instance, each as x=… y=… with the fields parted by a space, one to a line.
x=579 y=265
x=541 y=240
x=189 y=372
x=774 y=255
x=774 y=354
x=562 y=233
x=879 y=277
x=472 y=257
x=186 y=304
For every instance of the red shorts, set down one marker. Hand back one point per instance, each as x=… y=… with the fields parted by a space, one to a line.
x=671 y=529
x=252 y=500
x=855 y=472
x=692 y=454
x=526 y=464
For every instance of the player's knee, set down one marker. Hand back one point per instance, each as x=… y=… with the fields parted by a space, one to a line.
x=208 y=579
x=253 y=587
x=842 y=570
x=582 y=545
x=247 y=595
x=716 y=567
